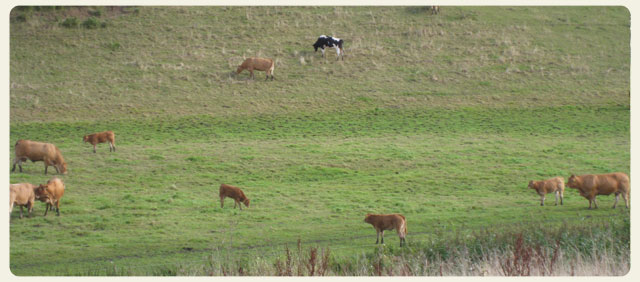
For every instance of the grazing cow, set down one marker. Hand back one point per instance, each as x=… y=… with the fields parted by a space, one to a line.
x=38 y=151
x=328 y=41
x=101 y=137
x=591 y=185
x=235 y=193
x=382 y=222
x=51 y=193
x=22 y=194
x=553 y=185
x=435 y=10
x=260 y=64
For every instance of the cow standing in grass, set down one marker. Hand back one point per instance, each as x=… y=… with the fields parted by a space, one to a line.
x=234 y=193
x=38 y=151
x=328 y=41
x=51 y=193
x=382 y=222
x=23 y=195
x=591 y=185
x=101 y=137
x=261 y=64
x=554 y=185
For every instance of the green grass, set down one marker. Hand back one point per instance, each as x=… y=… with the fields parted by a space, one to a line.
x=445 y=123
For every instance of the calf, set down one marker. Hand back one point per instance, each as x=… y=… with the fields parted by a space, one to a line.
x=591 y=185
x=261 y=64
x=235 y=193
x=51 y=193
x=382 y=222
x=101 y=137
x=38 y=151
x=21 y=194
x=328 y=41
x=554 y=185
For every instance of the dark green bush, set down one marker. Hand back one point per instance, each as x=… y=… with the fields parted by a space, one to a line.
x=90 y=23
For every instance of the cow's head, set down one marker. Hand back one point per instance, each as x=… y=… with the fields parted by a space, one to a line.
x=367 y=218
x=573 y=181
x=532 y=185
x=246 y=202
x=41 y=192
x=85 y=138
x=63 y=168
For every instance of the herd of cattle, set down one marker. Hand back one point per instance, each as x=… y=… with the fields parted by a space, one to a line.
x=25 y=194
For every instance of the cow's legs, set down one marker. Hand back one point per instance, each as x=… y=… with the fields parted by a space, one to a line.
x=382 y=235
x=221 y=201
x=557 y=196
x=626 y=201
x=322 y=49
x=542 y=200
x=45 y=168
x=58 y=208
x=616 y=202
x=595 y=203
x=20 y=211
x=57 y=170
x=377 y=236
x=16 y=161
x=30 y=208
x=46 y=209
x=561 y=197
x=337 y=52
x=94 y=148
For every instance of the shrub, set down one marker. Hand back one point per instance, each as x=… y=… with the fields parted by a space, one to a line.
x=90 y=23
x=70 y=22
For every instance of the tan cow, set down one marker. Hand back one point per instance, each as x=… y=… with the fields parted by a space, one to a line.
x=22 y=194
x=51 y=193
x=101 y=137
x=38 y=151
x=235 y=193
x=382 y=222
x=260 y=64
x=591 y=185
x=553 y=185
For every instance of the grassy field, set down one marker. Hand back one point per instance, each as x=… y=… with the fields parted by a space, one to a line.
x=443 y=118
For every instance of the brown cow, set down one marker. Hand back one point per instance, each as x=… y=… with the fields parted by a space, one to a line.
x=51 y=193
x=38 y=151
x=382 y=222
x=235 y=193
x=22 y=194
x=553 y=185
x=591 y=185
x=101 y=137
x=260 y=64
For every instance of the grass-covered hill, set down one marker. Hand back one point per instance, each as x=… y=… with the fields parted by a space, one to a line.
x=444 y=118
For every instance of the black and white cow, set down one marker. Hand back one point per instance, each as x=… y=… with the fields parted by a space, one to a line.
x=328 y=41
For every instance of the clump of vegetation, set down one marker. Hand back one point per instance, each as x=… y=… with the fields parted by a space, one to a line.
x=90 y=23
x=70 y=22
x=21 y=18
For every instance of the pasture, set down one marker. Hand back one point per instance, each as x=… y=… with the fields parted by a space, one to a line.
x=443 y=118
